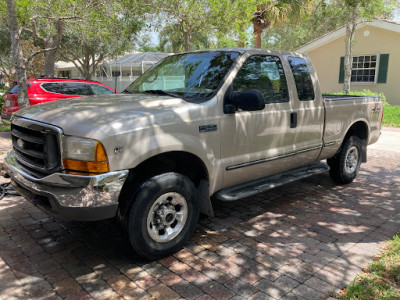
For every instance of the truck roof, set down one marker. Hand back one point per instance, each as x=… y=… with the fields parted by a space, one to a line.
x=243 y=50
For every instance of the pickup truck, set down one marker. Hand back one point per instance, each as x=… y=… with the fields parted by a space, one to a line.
x=214 y=124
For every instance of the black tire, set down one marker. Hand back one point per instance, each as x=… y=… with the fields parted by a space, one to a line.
x=166 y=201
x=344 y=166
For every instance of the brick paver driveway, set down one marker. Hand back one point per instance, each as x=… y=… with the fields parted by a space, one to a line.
x=302 y=240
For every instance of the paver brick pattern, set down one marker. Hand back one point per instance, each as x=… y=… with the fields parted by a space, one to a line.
x=299 y=241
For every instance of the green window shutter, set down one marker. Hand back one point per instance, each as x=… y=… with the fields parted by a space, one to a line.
x=383 y=68
x=341 y=70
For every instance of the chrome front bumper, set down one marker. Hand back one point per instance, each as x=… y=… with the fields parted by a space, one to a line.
x=69 y=197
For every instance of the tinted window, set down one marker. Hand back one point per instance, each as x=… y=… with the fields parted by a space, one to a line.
x=263 y=73
x=100 y=90
x=302 y=77
x=52 y=87
x=75 y=88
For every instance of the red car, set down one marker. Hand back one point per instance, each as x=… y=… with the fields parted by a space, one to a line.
x=44 y=90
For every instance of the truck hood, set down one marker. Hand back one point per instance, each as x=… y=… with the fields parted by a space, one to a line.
x=83 y=116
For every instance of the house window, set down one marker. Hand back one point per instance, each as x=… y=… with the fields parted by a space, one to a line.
x=364 y=68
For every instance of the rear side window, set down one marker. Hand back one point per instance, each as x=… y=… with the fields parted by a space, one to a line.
x=14 y=90
x=76 y=88
x=100 y=90
x=302 y=77
x=264 y=73
x=52 y=87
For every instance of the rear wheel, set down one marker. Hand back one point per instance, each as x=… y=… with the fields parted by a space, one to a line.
x=163 y=215
x=346 y=163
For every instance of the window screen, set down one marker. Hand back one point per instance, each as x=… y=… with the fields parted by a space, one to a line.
x=264 y=73
x=302 y=77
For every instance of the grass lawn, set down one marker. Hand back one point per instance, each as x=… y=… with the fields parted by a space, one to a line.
x=391 y=116
x=382 y=278
x=4 y=127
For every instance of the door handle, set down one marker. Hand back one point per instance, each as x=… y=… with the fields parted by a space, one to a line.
x=293 y=120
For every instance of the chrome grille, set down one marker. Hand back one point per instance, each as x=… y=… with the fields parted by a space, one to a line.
x=36 y=146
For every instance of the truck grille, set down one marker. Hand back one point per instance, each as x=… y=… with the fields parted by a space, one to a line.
x=37 y=147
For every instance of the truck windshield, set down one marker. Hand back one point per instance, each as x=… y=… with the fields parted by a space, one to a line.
x=191 y=76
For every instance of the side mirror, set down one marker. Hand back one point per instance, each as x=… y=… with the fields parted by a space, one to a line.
x=248 y=100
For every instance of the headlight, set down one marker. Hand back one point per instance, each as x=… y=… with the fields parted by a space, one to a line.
x=84 y=155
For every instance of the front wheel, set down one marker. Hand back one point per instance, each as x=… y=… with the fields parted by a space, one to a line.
x=163 y=215
x=344 y=166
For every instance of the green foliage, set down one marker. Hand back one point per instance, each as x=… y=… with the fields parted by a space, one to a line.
x=5 y=127
x=391 y=116
x=324 y=18
x=382 y=278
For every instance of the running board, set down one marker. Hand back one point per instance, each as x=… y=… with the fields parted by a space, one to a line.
x=264 y=184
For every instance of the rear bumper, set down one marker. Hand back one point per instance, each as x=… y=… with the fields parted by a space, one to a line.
x=6 y=117
x=69 y=197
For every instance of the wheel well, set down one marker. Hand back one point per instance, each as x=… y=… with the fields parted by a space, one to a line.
x=358 y=129
x=176 y=161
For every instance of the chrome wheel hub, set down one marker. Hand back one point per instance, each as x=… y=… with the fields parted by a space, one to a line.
x=351 y=162
x=167 y=217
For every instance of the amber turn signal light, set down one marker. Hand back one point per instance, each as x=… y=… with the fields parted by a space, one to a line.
x=100 y=165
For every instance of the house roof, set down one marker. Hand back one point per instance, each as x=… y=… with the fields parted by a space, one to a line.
x=138 y=58
x=341 y=31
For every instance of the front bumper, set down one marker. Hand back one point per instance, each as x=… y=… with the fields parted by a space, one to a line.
x=66 y=196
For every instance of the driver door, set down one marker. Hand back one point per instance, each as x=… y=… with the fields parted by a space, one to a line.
x=256 y=144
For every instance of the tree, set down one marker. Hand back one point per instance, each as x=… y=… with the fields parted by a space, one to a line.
x=192 y=20
x=49 y=18
x=19 y=62
x=108 y=33
x=6 y=61
x=359 y=11
x=275 y=12
x=171 y=39
x=325 y=17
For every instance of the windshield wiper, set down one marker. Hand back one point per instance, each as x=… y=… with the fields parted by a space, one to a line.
x=161 y=92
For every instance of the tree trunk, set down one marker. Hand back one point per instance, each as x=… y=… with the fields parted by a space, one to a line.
x=50 y=61
x=186 y=41
x=348 y=58
x=257 y=42
x=19 y=62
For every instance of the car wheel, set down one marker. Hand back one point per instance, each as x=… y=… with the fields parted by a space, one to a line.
x=163 y=215
x=344 y=166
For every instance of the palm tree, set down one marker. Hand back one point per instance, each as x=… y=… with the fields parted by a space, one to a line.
x=275 y=12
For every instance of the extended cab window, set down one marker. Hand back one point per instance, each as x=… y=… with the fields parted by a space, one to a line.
x=302 y=77
x=264 y=73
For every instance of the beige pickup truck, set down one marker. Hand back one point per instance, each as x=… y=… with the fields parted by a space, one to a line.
x=224 y=124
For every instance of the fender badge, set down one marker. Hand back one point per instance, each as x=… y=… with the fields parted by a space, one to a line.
x=118 y=150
